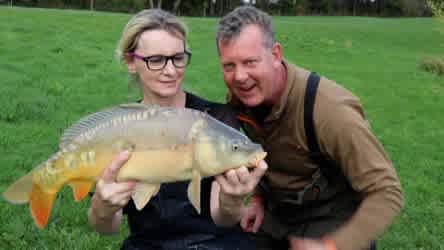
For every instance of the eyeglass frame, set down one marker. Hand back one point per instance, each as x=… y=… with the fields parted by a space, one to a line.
x=167 y=58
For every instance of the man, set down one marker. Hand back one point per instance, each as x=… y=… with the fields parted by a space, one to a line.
x=329 y=185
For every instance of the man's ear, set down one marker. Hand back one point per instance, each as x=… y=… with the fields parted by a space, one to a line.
x=130 y=63
x=276 y=51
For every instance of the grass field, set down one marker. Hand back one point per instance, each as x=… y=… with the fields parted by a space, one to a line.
x=57 y=66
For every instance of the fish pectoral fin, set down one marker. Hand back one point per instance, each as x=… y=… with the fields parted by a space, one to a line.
x=41 y=204
x=196 y=128
x=19 y=191
x=194 y=189
x=143 y=193
x=80 y=188
x=123 y=144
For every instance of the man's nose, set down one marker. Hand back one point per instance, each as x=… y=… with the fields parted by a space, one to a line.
x=240 y=74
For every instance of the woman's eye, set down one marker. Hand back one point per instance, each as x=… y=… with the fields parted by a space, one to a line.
x=157 y=59
x=179 y=57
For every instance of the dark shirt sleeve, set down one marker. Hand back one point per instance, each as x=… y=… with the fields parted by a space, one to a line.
x=346 y=137
x=226 y=114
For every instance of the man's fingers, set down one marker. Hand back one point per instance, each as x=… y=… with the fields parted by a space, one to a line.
x=257 y=223
x=248 y=225
x=296 y=243
x=244 y=223
x=110 y=173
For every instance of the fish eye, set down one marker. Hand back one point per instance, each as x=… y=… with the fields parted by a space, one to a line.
x=235 y=147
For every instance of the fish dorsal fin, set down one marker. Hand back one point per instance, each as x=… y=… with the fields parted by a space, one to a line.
x=194 y=189
x=143 y=193
x=95 y=120
x=137 y=105
x=86 y=123
x=81 y=188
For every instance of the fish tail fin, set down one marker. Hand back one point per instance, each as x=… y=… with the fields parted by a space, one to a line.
x=19 y=191
x=41 y=204
x=81 y=188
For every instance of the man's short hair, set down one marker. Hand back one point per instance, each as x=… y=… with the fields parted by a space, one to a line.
x=231 y=25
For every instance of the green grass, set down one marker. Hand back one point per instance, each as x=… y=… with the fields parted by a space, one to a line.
x=57 y=66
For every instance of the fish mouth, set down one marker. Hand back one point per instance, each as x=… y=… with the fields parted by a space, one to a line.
x=257 y=157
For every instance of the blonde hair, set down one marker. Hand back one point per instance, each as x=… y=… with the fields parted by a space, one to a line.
x=151 y=19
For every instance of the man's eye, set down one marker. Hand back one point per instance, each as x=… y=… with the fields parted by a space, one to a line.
x=251 y=62
x=228 y=67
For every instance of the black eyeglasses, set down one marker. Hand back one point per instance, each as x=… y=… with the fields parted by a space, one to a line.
x=158 y=62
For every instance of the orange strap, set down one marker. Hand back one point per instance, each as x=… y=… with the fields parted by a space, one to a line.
x=256 y=198
x=250 y=122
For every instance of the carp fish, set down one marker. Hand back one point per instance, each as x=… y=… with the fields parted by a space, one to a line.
x=167 y=145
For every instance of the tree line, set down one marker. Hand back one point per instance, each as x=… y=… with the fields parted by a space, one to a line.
x=220 y=7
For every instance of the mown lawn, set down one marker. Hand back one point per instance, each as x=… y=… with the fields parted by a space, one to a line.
x=57 y=66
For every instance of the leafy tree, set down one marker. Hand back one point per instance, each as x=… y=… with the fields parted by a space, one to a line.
x=437 y=7
x=276 y=7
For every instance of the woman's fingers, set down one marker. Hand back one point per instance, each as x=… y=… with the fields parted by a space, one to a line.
x=240 y=181
x=110 y=173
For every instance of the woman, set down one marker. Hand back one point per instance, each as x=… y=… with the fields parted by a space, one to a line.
x=153 y=46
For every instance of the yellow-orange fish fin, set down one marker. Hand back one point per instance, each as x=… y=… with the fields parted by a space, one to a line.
x=81 y=188
x=19 y=191
x=194 y=189
x=143 y=193
x=40 y=204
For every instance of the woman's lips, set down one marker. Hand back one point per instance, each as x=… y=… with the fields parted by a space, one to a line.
x=168 y=82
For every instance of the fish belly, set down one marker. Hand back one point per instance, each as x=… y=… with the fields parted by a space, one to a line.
x=159 y=165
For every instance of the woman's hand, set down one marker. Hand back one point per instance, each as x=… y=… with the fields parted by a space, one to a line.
x=235 y=185
x=110 y=197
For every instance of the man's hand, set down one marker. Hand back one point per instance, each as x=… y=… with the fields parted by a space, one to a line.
x=309 y=244
x=252 y=215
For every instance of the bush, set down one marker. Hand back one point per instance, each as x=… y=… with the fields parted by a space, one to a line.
x=433 y=65
x=413 y=7
x=436 y=7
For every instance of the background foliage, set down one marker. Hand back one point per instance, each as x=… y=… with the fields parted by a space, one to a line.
x=220 y=7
